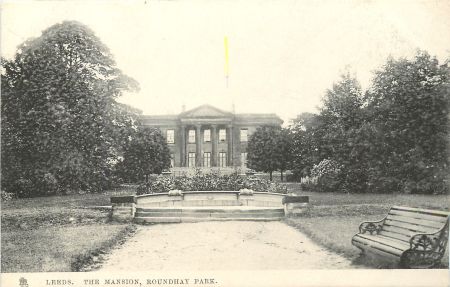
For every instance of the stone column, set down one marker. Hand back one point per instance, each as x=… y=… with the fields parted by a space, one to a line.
x=183 y=146
x=198 y=146
x=295 y=205
x=214 y=145
x=123 y=208
x=230 y=145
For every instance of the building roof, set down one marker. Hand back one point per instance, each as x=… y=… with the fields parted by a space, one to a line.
x=209 y=112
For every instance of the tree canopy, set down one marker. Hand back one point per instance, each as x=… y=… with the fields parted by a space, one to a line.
x=147 y=153
x=269 y=150
x=391 y=138
x=61 y=126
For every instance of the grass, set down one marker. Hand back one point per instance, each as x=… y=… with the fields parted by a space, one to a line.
x=334 y=218
x=440 y=202
x=60 y=233
x=57 y=249
x=57 y=233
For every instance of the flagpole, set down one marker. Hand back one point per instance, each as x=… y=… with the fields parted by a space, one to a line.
x=227 y=70
x=225 y=41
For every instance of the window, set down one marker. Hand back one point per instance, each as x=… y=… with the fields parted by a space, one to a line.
x=191 y=136
x=172 y=160
x=170 y=136
x=222 y=135
x=244 y=135
x=207 y=159
x=244 y=159
x=191 y=159
x=222 y=159
x=207 y=135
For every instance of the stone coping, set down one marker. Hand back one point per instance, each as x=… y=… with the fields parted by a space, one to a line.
x=209 y=208
x=123 y=199
x=216 y=191
x=295 y=199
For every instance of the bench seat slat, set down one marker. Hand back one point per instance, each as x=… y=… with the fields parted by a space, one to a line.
x=377 y=251
x=421 y=222
x=382 y=243
x=426 y=211
x=412 y=227
x=434 y=218
x=398 y=244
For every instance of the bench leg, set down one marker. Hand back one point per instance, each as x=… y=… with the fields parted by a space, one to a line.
x=419 y=259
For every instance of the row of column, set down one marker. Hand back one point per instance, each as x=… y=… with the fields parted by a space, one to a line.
x=199 y=142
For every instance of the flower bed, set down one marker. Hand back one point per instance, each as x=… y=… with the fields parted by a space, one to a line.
x=209 y=182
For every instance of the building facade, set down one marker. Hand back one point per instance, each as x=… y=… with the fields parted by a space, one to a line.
x=209 y=137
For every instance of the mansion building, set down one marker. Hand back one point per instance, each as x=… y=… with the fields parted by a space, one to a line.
x=209 y=137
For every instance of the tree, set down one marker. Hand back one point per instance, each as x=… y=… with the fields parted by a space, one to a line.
x=147 y=153
x=333 y=136
x=269 y=149
x=307 y=143
x=409 y=107
x=343 y=117
x=61 y=125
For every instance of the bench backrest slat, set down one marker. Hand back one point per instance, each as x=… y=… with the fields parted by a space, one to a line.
x=420 y=210
x=434 y=218
x=403 y=222
x=409 y=227
x=417 y=221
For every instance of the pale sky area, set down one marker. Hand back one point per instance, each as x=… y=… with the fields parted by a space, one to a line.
x=283 y=55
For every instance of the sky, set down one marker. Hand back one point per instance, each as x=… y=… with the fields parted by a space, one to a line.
x=283 y=55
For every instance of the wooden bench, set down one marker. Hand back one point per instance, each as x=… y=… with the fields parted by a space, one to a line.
x=416 y=238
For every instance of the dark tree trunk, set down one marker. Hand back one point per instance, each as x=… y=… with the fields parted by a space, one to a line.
x=281 y=175
x=270 y=175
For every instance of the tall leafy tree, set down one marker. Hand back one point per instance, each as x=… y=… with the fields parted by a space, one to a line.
x=147 y=153
x=409 y=107
x=334 y=134
x=307 y=143
x=61 y=125
x=343 y=116
x=269 y=150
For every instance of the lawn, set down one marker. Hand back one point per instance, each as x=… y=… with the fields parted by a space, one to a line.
x=334 y=218
x=58 y=249
x=57 y=233
x=64 y=233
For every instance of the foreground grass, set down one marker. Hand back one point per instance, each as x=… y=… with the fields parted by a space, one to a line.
x=333 y=219
x=57 y=233
x=57 y=249
x=440 y=202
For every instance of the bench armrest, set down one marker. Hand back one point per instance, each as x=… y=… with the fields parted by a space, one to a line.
x=430 y=241
x=426 y=249
x=371 y=226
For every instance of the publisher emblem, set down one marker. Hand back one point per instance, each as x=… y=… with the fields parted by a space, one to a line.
x=23 y=282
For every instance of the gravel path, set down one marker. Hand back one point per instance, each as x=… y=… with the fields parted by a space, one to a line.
x=230 y=245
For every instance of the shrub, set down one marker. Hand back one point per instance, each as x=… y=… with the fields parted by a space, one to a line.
x=208 y=182
x=6 y=196
x=328 y=174
x=23 y=187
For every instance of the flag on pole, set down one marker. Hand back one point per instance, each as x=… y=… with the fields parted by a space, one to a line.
x=226 y=60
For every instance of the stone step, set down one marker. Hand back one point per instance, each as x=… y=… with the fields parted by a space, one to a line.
x=144 y=220
x=234 y=209
x=210 y=214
